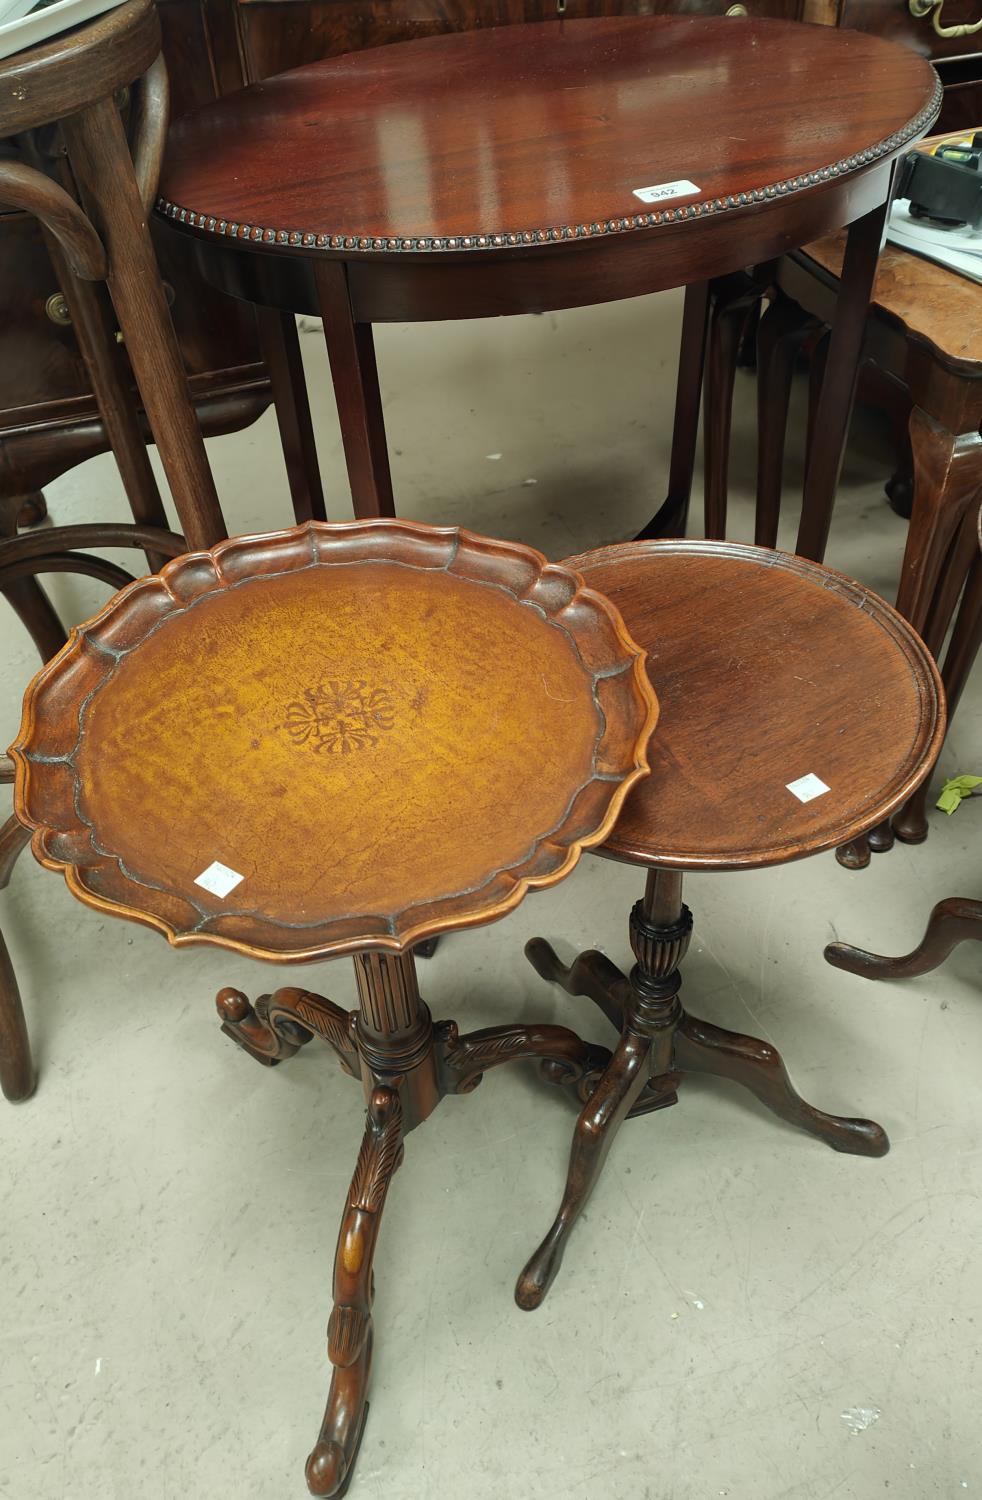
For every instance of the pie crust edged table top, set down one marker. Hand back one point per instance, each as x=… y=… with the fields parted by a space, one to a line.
x=768 y=669
x=384 y=730
x=504 y=138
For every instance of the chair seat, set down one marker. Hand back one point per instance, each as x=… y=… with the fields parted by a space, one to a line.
x=333 y=737
x=768 y=669
x=934 y=304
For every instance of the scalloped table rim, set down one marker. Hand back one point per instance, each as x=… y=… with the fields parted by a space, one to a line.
x=471 y=544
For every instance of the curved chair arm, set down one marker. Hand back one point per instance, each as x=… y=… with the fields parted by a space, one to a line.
x=59 y=540
x=151 y=115
x=28 y=189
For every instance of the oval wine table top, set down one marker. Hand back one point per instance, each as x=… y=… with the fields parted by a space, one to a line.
x=495 y=139
x=332 y=738
x=772 y=673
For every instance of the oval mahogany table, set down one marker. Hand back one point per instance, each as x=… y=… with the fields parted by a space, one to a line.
x=341 y=739
x=766 y=668
x=537 y=167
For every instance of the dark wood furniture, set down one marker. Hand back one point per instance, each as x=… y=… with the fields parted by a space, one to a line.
x=450 y=716
x=789 y=655
x=53 y=381
x=71 y=82
x=923 y=339
x=957 y=919
x=58 y=549
x=496 y=172
x=949 y=34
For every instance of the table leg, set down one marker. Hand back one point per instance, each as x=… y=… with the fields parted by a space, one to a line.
x=281 y=351
x=863 y=244
x=951 y=922
x=16 y=1068
x=671 y=519
x=910 y=823
x=351 y=350
x=349 y=1332
x=100 y=160
x=780 y=335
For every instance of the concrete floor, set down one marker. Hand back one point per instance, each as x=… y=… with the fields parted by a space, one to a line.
x=742 y=1312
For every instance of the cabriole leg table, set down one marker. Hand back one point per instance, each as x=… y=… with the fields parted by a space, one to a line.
x=341 y=740
x=766 y=752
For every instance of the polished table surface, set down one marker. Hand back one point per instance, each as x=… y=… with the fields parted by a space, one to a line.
x=529 y=134
x=381 y=730
x=538 y=167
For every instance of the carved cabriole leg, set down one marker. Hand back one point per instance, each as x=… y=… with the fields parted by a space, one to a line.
x=280 y=1024
x=659 y=1044
x=564 y=1058
x=349 y=1332
x=703 y=1048
x=660 y=931
x=953 y=921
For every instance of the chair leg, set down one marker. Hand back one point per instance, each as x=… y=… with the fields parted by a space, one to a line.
x=733 y=301
x=281 y=350
x=951 y=922
x=351 y=351
x=16 y=1068
x=99 y=157
x=349 y=1332
x=17 y=1079
x=26 y=597
x=780 y=335
x=599 y=1121
x=671 y=518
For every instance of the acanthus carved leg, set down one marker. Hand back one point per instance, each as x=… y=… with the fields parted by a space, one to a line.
x=564 y=1059
x=349 y=1332
x=703 y=1048
x=280 y=1024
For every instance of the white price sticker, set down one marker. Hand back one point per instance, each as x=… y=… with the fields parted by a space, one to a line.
x=807 y=788
x=663 y=190
x=218 y=879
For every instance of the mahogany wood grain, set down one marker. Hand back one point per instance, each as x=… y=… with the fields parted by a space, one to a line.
x=801 y=671
x=531 y=131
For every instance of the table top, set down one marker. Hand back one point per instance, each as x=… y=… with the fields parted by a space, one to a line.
x=770 y=670
x=333 y=738
x=494 y=140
